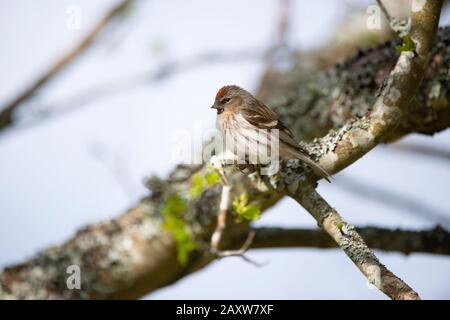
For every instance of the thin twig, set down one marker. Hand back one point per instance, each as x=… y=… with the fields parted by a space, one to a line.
x=222 y=221
x=385 y=12
x=167 y=69
x=221 y=218
x=284 y=12
x=241 y=252
x=401 y=27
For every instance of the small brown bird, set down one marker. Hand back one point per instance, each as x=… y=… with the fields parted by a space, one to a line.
x=241 y=116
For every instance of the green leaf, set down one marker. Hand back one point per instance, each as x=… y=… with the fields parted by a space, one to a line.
x=243 y=200
x=182 y=236
x=174 y=205
x=244 y=210
x=239 y=203
x=407 y=45
x=212 y=178
x=197 y=186
x=250 y=212
x=199 y=182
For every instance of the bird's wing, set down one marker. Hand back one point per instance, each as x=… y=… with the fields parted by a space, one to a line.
x=262 y=117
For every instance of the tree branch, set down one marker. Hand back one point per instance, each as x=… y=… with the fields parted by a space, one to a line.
x=433 y=241
x=7 y=111
x=348 y=239
x=87 y=97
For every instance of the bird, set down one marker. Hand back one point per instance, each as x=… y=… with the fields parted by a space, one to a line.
x=243 y=117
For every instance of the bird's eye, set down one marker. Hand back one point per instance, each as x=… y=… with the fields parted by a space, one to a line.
x=226 y=100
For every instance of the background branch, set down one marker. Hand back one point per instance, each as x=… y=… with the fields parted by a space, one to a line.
x=87 y=97
x=7 y=111
x=422 y=150
x=433 y=241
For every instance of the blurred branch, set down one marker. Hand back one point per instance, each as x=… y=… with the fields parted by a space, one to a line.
x=284 y=11
x=166 y=70
x=241 y=252
x=401 y=27
x=385 y=12
x=7 y=111
x=433 y=241
x=394 y=199
x=421 y=150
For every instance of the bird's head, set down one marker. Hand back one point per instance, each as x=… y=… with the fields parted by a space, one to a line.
x=229 y=98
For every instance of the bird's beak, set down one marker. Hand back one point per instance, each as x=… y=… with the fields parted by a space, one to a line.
x=214 y=106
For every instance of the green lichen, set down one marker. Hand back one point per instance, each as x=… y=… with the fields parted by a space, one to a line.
x=402 y=27
x=407 y=45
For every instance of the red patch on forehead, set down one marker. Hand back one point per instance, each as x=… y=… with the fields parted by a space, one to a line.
x=220 y=93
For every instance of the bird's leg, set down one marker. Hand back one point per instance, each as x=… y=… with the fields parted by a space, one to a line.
x=219 y=163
